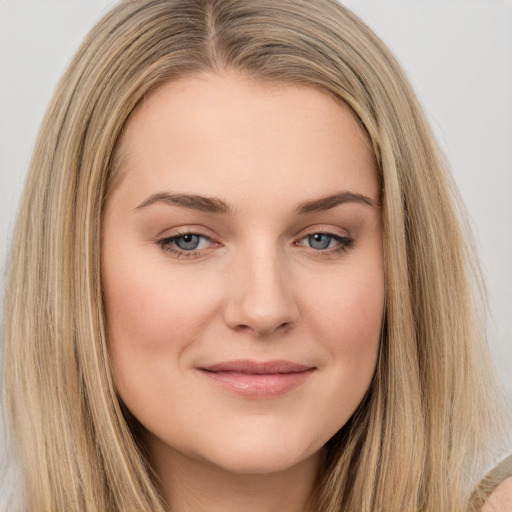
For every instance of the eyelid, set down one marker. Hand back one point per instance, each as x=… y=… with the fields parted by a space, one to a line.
x=341 y=236
x=166 y=242
x=326 y=229
x=345 y=240
x=186 y=229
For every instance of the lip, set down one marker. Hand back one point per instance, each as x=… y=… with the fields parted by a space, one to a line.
x=253 y=379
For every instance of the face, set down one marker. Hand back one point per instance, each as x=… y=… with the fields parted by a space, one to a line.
x=243 y=271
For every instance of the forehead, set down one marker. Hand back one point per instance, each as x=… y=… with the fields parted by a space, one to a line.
x=219 y=133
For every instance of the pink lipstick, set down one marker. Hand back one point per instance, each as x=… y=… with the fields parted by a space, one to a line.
x=253 y=379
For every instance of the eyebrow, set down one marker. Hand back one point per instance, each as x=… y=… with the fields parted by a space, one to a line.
x=192 y=201
x=326 y=203
x=215 y=205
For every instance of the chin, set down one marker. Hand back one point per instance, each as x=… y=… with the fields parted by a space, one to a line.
x=266 y=457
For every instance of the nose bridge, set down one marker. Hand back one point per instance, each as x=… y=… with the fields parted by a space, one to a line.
x=261 y=298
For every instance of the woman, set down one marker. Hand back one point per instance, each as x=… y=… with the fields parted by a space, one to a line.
x=279 y=313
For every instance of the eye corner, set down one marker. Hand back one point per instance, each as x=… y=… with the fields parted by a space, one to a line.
x=187 y=244
x=323 y=243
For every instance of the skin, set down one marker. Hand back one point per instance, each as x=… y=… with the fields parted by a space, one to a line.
x=258 y=286
x=501 y=498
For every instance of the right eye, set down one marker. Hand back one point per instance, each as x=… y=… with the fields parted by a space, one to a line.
x=185 y=245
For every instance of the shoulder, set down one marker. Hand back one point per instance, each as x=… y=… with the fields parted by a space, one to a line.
x=500 y=500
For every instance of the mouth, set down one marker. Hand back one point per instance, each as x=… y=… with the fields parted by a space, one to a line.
x=257 y=380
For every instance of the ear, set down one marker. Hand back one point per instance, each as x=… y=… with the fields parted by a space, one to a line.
x=500 y=499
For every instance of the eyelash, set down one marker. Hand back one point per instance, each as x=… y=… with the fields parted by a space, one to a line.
x=344 y=244
x=168 y=244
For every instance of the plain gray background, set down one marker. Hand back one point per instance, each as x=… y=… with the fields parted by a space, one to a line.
x=458 y=54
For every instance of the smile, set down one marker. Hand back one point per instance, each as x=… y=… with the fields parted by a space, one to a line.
x=258 y=380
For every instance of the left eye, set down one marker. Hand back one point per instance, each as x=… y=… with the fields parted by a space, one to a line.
x=324 y=241
x=319 y=241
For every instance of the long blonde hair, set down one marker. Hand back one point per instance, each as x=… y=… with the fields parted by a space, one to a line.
x=420 y=438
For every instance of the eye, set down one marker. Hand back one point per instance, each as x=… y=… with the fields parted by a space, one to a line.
x=327 y=242
x=185 y=245
x=187 y=242
x=320 y=241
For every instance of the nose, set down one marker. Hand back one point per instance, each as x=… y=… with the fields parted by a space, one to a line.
x=261 y=299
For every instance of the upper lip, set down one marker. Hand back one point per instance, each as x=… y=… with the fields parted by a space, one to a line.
x=246 y=366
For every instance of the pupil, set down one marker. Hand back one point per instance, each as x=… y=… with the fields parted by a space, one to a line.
x=187 y=242
x=319 y=241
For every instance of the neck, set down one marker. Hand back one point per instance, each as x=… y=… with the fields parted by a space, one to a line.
x=190 y=485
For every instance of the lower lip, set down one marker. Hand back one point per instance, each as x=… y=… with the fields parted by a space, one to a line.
x=258 y=386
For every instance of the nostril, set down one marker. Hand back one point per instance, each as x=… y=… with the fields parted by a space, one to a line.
x=261 y=301
x=261 y=330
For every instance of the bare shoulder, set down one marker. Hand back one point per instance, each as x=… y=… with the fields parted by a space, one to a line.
x=500 y=499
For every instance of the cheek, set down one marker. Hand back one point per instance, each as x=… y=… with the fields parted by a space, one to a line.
x=147 y=301
x=347 y=318
x=348 y=307
x=153 y=315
